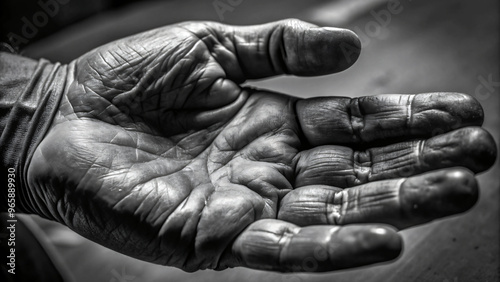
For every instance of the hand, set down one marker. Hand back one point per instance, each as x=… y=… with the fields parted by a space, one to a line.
x=158 y=153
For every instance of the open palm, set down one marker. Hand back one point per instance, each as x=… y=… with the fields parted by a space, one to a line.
x=159 y=153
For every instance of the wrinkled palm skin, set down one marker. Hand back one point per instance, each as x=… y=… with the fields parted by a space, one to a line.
x=157 y=152
x=152 y=142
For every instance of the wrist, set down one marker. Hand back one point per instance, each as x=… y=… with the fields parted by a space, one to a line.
x=30 y=94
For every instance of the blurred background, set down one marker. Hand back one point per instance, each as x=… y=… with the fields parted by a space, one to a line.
x=408 y=47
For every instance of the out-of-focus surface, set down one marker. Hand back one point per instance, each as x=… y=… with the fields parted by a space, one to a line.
x=420 y=46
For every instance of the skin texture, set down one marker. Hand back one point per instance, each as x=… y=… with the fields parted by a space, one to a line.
x=158 y=153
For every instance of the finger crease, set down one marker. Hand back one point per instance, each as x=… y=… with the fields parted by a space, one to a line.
x=283 y=243
x=356 y=119
x=419 y=149
x=400 y=197
x=333 y=216
x=279 y=65
x=362 y=167
x=409 y=106
x=340 y=205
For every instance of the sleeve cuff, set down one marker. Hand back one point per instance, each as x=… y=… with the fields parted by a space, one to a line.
x=30 y=94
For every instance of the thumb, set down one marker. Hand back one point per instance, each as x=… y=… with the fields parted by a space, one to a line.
x=288 y=47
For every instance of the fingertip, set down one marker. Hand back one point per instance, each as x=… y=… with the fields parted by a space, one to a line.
x=446 y=111
x=349 y=48
x=376 y=243
x=464 y=190
x=482 y=146
x=386 y=242
x=356 y=42
x=310 y=50
x=439 y=193
x=472 y=147
x=335 y=49
x=472 y=111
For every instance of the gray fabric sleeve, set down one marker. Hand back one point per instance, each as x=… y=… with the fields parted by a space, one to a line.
x=30 y=92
